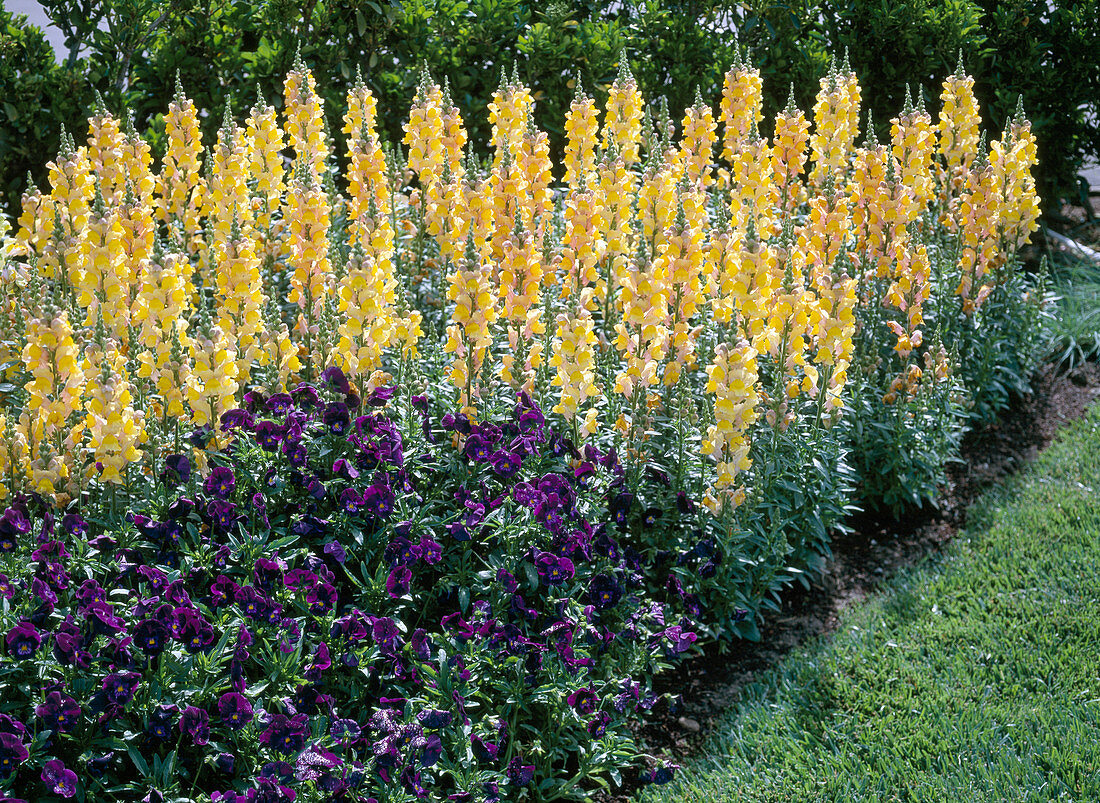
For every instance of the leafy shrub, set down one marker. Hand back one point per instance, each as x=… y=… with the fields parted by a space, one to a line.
x=132 y=52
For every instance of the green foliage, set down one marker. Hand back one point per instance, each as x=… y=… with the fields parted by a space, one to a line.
x=131 y=50
x=38 y=97
x=969 y=679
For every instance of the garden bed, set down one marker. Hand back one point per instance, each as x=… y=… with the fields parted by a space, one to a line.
x=874 y=550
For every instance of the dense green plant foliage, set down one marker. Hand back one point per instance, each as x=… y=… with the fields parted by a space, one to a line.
x=130 y=51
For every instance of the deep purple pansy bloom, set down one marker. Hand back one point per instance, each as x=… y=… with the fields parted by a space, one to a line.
x=397 y=584
x=23 y=641
x=74 y=525
x=12 y=753
x=59 y=712
x=336 y=418
x=520 y=774
x=177 y=469
x=58 y=778
x=604 y=591
x=235 y=710
x=554 y=569
x=120 y=686
x=221 y=482
x=286 y=734
x=584 y=701
x=195 y=723
x=335 y=379
x=505 y=463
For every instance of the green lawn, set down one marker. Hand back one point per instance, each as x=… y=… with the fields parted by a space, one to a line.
x=973 y=677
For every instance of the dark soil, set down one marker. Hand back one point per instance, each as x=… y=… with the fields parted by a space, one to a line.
x=862 y=559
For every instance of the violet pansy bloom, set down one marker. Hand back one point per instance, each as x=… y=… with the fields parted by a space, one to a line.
x=553 y=569
x=195 y=723
x=235 y=710
x=221 y=482
x=58 y=778
x=23 y=641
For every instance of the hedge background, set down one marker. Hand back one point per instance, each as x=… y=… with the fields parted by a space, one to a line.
x=130 y=51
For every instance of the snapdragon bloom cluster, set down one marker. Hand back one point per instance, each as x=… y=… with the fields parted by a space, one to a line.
x=357 y=597
x=616 y=300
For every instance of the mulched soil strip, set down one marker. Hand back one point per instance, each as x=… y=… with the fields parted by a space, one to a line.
x=862 y=559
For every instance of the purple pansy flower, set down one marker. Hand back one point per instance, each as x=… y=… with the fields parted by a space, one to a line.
x=23 y=641
x=195 y=723
x=397 y=584
x=520 y=774
x=59 y=712
x=221 y=482
x=12 y=753
x=59 y=779
x=553 y=569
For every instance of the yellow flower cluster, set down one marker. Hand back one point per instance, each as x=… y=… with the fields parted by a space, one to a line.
x=623 y=124
x=180 y=169
x=305 y=123
x=732 y=379
x=653 y=271
x=469 y=336
x=741 y=107
x=580 y=138
x=115 y=429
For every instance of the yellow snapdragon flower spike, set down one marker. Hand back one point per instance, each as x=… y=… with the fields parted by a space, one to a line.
x=307 y=211
x=367 y=298
x=979 y=211
x=615 y=191
x=520 y=277
x=622 y=126
x=305 y=119
x=574 y=357
x=581 y=129
x=681 y=263
x=789 y=153
x=741 y=107
x=263 y=140
x=72 y=188
x=469 y=336
x=36 y=223
x=913 y=143
x=836 y=125
x=424 y=133
x=103 y=285
x=54 y=361
x=240 y=301
x=732 y=379
x=227 y=197
x=137 y=161
x=180 y=168
x=754 y=194
x=454 y=132
x=697 y=144
x=508 y=188
x=105 y=143
x=582 y=247
x=1013 y=158
x=957 y=135
x=212 y=387
x=907 y=293
x=161 y=313
x=642 y=332
x=115 y=429
x=534 y=163
x=509 y=112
